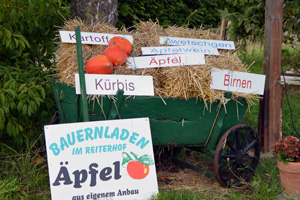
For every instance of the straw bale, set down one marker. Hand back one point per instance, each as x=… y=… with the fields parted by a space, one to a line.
x=146 y=35
x=177 y=82
x=66 y=55
x=176 y=31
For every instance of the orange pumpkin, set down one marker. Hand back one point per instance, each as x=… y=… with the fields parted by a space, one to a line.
x=116 y=54
x=122 y=42
x=99 y=65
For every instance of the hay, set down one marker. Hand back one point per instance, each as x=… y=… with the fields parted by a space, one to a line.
x=177 y=82
x=66 y=55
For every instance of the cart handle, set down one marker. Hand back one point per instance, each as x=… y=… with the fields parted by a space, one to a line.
x=83 y=101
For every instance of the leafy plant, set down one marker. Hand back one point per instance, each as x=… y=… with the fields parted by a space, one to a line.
x=265 y=183
x=291 y=36
x=291 y=21
x=246 y=19
x=24 y=174
x=27 y=65
x=292 y=60
x=188 y=13
x=11 y=189
x=287 y=149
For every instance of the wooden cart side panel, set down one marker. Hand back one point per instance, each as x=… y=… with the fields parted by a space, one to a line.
x=68 y=102
x=235 y=112
x=172 y=121
x=174 y=133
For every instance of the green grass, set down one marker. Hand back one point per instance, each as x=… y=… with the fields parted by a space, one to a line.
x=254 y=60
x=28 y=173
x=264 y=185
x=180 y=195
x=23 y=178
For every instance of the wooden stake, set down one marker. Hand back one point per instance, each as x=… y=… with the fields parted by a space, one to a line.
x=223 y=29
x=271 y=108
x=84 y=104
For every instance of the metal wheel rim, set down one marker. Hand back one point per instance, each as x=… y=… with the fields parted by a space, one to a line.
x=236 y=156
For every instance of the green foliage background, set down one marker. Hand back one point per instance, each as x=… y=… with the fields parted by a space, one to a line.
x=247 y=19
x=27 y=31
x=189 y=13
x=247 y=24
x=27 y=46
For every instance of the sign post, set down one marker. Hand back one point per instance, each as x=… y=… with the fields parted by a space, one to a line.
x=270 y=117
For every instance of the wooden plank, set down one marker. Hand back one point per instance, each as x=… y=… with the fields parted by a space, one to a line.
x=290 y=80
x=223 y=29
x=271 y=123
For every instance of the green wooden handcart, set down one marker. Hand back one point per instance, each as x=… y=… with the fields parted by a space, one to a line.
x=217 y=132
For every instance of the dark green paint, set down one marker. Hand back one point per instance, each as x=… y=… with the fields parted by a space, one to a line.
x=116 y=105
x=84 y=110
x=181 y=122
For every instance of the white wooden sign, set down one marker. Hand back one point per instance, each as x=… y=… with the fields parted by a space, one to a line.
x=165 y=60
x=109 y=84
x=177 y=41
x=90 y=37
x=111 y=159
x=290 y=80
x=160 y=50
x=237 y=81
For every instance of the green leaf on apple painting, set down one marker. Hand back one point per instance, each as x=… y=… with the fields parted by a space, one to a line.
x=134 y=155
x=144 y=159
x=126 y=158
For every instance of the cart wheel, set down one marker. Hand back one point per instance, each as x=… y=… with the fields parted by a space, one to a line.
x=236 y=156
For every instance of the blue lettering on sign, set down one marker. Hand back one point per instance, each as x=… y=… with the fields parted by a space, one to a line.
x=103 y=148
x=90 y=134
x=213 y=44
x=172 y=50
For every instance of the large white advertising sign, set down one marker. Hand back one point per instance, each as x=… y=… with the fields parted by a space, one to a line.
x=110 y=159
x=141 y=62
x=90 y=37
x=179 y=50
x=109 y=84
x=177 y=41
x=237 y=81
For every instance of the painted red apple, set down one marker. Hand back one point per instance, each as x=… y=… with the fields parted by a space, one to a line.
x=137 y=170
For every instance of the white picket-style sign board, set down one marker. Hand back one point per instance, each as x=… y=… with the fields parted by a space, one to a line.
x=109 y=84
x=235 y=81
x=178 y=41
x=161 y=50
x=90 y=37
x=142 y=62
